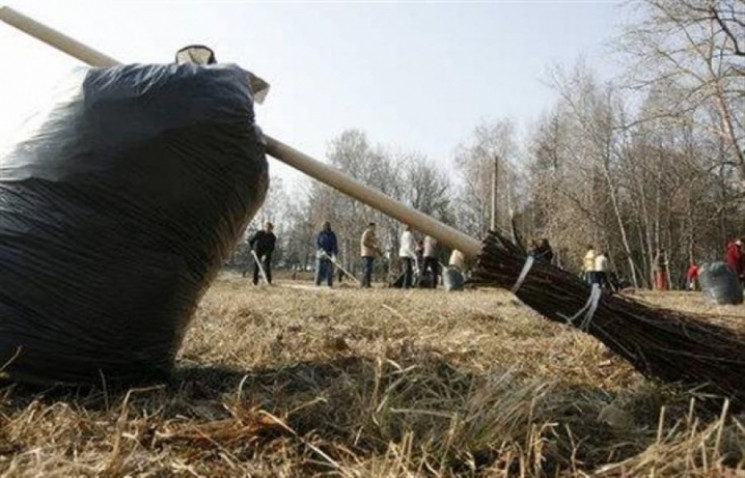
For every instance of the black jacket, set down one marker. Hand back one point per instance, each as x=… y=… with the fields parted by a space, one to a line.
x=544 y=254
x=262 y=242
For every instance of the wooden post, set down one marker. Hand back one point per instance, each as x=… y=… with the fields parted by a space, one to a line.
x=494 y=191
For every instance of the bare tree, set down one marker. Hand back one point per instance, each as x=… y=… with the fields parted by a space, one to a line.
x=695 y=47
x=427 y=188
x=475 y=162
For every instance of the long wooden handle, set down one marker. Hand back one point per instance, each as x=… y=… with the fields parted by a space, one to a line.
x=372 y=197
x=346 y=272
x=55 y=39
x=261 y=268
x=288 y=155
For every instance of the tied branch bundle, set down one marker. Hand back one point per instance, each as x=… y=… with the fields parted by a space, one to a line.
x=672 y=346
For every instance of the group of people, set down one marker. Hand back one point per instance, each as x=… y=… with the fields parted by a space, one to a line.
x=415 y=256
x=423 y=257
x=734 y=258
x=420 y=256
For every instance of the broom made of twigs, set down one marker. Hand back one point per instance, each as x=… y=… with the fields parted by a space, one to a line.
x=666 y=344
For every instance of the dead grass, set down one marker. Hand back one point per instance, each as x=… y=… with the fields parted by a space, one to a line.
x=293 y=381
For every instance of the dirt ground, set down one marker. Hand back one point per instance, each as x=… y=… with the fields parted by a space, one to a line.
x=292 y=380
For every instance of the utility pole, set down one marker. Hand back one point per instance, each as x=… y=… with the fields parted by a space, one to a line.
x=494 y=182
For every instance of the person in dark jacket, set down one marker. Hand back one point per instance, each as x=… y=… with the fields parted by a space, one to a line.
x=327 y=250
x=262 y=243
x=543 y=252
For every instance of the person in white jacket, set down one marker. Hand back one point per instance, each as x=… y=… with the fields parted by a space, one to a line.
x=407 y=253
x=431 y=262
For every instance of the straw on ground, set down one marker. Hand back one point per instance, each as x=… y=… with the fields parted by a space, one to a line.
x=294 y=382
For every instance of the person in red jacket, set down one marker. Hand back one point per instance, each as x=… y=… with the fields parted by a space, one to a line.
x=692 y=277
x=735 y=259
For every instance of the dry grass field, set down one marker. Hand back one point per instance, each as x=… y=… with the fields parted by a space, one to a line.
x=297 y=381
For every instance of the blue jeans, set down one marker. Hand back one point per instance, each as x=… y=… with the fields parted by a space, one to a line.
x=367 y=270
x=324 y=270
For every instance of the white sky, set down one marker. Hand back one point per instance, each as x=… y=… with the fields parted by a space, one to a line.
x=414 y=76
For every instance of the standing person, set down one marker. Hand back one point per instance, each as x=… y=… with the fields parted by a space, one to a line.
x=327 y=249
x=430 y=259
x=735 y=257
x=742 y=262
x=543 y=252
x=660 y=271
x=457 y=260
x=588 y=265
x=692 y=277
x=407 y=253
x=369 y=250
x=262 y=243
x=418 y=264
x=600 y=272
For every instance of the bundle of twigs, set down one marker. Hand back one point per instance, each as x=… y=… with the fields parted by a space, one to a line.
x=665 y=344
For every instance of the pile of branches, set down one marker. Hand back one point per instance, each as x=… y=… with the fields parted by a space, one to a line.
x=665 y=344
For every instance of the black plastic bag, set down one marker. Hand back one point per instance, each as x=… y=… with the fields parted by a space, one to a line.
x=720 y=284
x=117 y=208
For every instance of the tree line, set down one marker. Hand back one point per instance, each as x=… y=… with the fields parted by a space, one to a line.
x=652 y=159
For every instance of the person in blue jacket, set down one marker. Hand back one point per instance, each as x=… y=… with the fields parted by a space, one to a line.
x=327 y=251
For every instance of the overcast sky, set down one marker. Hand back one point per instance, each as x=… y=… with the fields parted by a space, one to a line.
x=414 y=76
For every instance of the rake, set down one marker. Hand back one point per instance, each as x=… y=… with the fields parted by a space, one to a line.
x=261 y=268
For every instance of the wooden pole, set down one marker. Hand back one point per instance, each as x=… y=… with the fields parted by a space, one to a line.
x=55 y=38
x=261 y=268
x=275 y=148
x=341 y=268
x=494 y=190
x=373 y=198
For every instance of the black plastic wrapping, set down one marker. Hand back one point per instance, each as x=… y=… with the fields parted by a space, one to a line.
x=452 y=279
x=117 y=208
x=720 y=284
